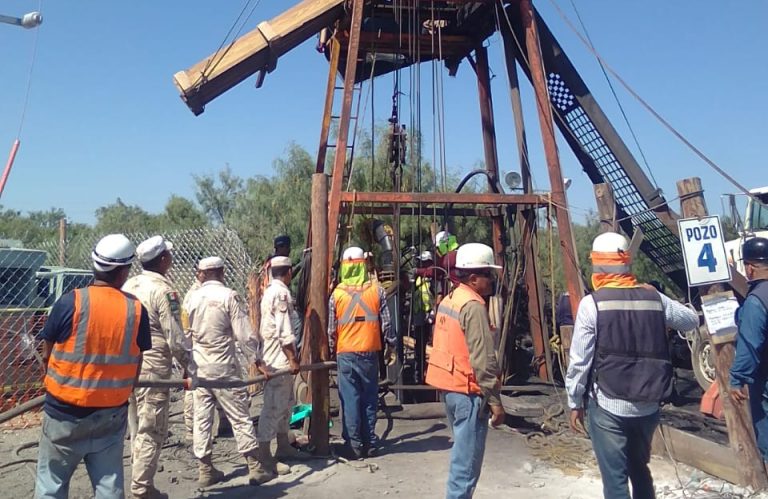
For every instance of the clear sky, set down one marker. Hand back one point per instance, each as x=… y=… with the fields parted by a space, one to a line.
x=105 y=121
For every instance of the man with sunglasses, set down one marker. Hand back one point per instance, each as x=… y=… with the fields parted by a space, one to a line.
x=463 y=366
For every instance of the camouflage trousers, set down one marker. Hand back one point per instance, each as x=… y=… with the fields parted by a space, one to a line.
x=235 y=403
x=278 y=403
x=152 y=407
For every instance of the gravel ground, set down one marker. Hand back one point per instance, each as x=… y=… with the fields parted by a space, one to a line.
x=414 y=465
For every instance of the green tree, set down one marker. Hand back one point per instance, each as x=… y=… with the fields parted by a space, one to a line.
x=182 y=213
x=218 y=194
x=119 y=217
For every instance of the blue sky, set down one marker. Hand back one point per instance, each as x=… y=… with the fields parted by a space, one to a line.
x=105 y=121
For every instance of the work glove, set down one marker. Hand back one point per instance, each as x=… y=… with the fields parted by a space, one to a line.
x=390 y=355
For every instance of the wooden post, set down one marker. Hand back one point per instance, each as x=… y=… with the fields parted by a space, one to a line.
x=570 y=258
x=606 y=208
x=318 y=315
x=62 y=242
x=530 y=239
x=737 y=416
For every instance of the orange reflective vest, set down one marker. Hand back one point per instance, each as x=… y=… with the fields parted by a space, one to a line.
x=449 y=368
x=357 y=318
x=96 y=365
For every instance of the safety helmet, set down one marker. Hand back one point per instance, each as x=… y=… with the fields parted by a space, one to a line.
x=475 y=256
x=426 y=256
x=610 y=242
x=112 y=251
x=353 y=253
x=755 y=250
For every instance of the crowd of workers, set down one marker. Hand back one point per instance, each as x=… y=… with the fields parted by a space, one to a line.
x=98 y=340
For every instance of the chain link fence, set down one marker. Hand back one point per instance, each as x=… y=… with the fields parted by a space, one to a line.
x=33 y=278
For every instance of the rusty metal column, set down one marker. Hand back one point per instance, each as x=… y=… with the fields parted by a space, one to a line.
x=529 y=231
x=489 y=143
x=318 y=316
x=570 y=258
x=339 y=162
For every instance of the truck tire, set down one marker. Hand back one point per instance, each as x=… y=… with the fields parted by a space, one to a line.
x=702 y=359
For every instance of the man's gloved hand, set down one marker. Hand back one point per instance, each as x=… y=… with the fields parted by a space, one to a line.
x=431 y=317
x=390 y=355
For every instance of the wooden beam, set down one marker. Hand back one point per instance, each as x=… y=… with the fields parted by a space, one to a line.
x=318 y=316
x=737 y=416
x=422 y=211
x=255 y=51
x=710 y=457
x=395 y=43
x=606 y=208
x=442 y=197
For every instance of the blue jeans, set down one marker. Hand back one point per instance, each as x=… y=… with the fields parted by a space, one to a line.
x=758 y=406
x=622 y=446
x=97 y=439
x=359 y=394
x=468 y=416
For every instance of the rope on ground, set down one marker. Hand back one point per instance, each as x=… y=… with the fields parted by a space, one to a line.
x=557 y=445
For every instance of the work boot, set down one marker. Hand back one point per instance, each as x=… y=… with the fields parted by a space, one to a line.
x=207 y=474
x=266 y=457
x=258 y=470
x=150 y=493
x=287 y=451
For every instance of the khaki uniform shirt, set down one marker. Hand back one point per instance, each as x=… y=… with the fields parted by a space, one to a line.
x=482 y=354
x=157 y=295
x=217 y=317
x=276 y=324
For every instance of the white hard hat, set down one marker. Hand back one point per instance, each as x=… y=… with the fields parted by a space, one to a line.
x=610 y=242
x=353 y=253
x=280 y=261
x=151 y=248
x=443 y=234
x=475 y=256
x=210 y=263
x=112 y=251
x=425 y=256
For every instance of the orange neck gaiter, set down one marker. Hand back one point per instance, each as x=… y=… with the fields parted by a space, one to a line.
x=612 y=270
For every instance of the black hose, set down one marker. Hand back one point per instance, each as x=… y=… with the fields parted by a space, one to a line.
x=493 y=182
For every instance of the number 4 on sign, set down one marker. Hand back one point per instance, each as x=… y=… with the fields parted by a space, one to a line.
x=707 y=258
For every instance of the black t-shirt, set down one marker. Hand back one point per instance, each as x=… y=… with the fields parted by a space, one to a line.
x=58 y=328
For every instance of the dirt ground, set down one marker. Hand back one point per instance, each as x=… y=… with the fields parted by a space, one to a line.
x=413 y=465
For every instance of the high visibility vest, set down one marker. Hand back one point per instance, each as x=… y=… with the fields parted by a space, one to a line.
x=96 y=365
x=448 y=367
x=423 y=295
x=357 y=318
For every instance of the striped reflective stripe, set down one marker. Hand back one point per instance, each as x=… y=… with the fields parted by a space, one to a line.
x=82 y=324
x=610 y=269
x=79 y=356
x=446 y=310
x=634 y=305
x=90 y=383
x=356 y=299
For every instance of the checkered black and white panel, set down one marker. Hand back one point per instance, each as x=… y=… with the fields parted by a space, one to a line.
x=559 y=93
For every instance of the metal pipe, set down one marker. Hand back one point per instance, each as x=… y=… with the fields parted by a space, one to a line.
x=9 y=164
x=177 y=383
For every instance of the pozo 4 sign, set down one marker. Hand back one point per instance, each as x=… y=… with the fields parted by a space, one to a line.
x=704 y=250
